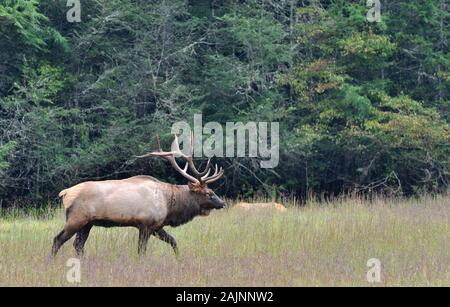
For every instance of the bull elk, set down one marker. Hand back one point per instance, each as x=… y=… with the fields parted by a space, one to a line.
x=142 y=202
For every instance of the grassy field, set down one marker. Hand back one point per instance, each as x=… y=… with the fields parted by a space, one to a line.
x=316 y=245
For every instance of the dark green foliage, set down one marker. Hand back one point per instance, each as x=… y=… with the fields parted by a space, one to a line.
x=362 y=106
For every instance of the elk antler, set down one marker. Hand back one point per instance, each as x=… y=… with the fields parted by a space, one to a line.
x=217 y=174
x=199 y=178
x=189 y=158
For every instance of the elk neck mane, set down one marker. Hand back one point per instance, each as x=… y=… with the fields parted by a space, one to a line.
x=182 y=205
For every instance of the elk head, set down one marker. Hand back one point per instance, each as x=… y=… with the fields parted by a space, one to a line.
x=198 y=181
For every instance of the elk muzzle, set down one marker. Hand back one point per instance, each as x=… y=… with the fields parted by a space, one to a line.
x=217 y=202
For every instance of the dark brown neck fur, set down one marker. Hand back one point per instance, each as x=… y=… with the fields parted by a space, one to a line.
x=183 y=205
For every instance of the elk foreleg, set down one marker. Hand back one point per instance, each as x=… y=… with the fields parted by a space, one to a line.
x=164 y=236
x=144 y=235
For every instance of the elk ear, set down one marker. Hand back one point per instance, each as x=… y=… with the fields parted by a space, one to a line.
x=195 y=187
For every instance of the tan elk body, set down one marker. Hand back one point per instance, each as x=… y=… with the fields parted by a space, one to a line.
x=143 y=202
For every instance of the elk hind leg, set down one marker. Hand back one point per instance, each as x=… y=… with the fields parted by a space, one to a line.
x=80 y=240
x=67 y=233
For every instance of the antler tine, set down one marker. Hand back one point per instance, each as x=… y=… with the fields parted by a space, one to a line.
x=151 y=154
x=182 y=171
x=202 y=173
x=190 y=160
x=178 y=150
x=158 y=143
x=217 y=174
x=216 y=170
x=191 y=149
x=158 y=152
x=206 y=175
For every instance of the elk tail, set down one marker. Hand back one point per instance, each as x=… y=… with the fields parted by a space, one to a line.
x=69 y=195
x=62 y=193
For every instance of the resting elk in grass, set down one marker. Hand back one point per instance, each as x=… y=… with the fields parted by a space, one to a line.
x=265 y=206
x=142 y=202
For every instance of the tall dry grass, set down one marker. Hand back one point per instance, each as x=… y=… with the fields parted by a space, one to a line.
x=320 y=244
